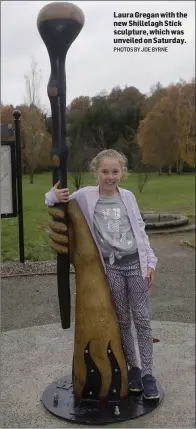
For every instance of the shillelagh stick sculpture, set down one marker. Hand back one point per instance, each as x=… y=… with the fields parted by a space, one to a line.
x=97 y=392
x=59 y=24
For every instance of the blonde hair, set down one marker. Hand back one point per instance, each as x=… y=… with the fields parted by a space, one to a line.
x=111 y=153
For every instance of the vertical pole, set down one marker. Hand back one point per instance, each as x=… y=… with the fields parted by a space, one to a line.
x=59 y=23
x=63 y=264
x=17 y=116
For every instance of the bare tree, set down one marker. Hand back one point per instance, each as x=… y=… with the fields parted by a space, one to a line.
x=142 y=177
x=143 y=171
x=33 y=120
x=32 y=85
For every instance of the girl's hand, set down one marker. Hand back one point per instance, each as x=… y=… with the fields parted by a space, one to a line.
x=61 y=194
x=151 y=276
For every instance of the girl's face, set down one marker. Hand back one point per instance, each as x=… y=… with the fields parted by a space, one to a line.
x=109 y=174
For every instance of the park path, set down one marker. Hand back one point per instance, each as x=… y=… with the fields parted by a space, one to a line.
x=30 y=301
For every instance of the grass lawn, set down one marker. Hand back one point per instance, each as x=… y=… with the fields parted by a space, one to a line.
x=161 y=193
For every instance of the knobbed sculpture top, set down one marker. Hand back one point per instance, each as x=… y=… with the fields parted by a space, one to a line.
x=61 y=10
x=59 y=24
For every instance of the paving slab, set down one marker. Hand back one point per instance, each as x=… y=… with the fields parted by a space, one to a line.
x=33 y=357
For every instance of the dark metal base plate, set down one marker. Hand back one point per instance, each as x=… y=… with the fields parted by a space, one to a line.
x=58 y=398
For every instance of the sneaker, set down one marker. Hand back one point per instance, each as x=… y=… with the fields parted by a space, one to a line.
x=135 y=380
x=150 y=390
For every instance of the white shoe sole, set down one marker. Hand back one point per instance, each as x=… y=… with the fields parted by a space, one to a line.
x=151 y=397
x=135 y=390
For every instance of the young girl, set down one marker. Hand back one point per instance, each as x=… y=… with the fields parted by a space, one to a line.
x=116 y=225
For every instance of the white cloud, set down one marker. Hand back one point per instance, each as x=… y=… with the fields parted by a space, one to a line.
x=91 y=64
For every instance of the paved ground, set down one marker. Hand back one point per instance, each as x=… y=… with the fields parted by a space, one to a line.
x=32 y=358
x=29 y=301
x=35 y=350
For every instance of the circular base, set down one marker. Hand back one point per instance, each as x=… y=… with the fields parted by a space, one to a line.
x=59 y=399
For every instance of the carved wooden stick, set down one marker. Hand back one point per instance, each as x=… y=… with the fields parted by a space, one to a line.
x=59 y=24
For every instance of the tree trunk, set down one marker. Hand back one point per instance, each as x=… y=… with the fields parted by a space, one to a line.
x=31 y=178
x=169 y=169
x=160 y=170
x=181 y=166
